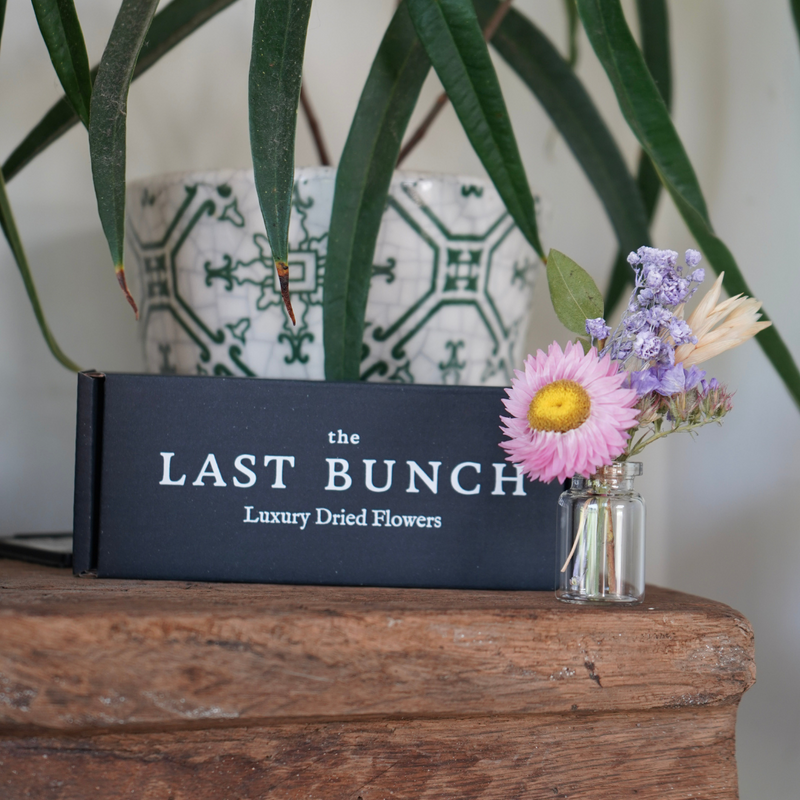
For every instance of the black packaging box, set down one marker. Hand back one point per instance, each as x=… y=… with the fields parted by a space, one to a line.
x=241 y=479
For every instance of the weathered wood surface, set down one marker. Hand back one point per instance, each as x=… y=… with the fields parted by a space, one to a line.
x=79 y=655
x=672 y=754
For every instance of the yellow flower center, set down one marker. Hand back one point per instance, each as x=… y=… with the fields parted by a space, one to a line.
x=560 y=406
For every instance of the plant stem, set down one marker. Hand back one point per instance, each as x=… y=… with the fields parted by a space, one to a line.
x=441 y=101
x=644 y=441
x=611 y=567
x=419 y=133
x=316 y=131
x=581 y=522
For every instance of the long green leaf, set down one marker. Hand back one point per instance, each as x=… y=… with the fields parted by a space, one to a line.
x=654 y=27
x=55 y=123
x=9 y=227
x=107 y=141
x=2 y=19
x=654 y=30
x=796 y=14
x=648 y=118
x=452 y=37
x=170 y=26
x=276 y=72
x=548 y=75
x=362 y=185
x=61 y=31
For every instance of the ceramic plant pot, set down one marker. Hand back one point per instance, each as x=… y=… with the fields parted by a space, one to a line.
x=448 y=303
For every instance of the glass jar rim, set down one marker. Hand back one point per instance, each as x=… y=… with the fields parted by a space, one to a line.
x=617 y=470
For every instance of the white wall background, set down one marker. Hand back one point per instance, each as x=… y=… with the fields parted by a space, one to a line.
x=723 y=518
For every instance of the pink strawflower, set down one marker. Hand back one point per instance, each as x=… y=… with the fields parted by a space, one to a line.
x=569 y=413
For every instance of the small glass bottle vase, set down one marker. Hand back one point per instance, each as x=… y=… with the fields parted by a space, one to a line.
x=600 y=549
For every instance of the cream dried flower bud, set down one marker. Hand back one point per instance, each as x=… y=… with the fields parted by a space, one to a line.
x=720 y=326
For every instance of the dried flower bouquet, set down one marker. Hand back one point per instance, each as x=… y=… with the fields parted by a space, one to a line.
x=602 y=400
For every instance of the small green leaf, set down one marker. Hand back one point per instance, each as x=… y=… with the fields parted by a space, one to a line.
x=648 y=118
x=362 y=184
x=170 y=27
x=574 y=294
x=276 y=71
x=796 y=14
x=9 y=227
x=450 y=33
x=61 y=31
x=107 y=127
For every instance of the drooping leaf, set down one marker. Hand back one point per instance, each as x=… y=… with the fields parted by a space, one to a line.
x=55 y=123
x=2 y=17
x=170 y=26
x=574 y=294
x=61 y=31
x=9 y=227
x=654 y=28
x=638 y=96
x=648 y=118
x=276 y=71
x=654 y=31
x=107 y=129
x=453 y=39
x=546 y=73
x=362 y=184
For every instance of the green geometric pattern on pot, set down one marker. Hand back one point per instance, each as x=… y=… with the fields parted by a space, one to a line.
x=448 y=301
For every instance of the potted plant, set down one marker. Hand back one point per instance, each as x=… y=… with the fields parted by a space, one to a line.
x=446 y=36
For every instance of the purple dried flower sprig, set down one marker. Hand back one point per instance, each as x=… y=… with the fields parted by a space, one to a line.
x=650 y=328
x=597 y=328
x=671 y=398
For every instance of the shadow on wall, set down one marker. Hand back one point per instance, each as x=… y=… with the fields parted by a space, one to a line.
x=740 y=559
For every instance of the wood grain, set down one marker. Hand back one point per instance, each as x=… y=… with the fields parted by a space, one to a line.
x=673 y=754
x=80 y=654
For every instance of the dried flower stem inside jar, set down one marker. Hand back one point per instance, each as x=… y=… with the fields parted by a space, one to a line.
x=601 y=538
